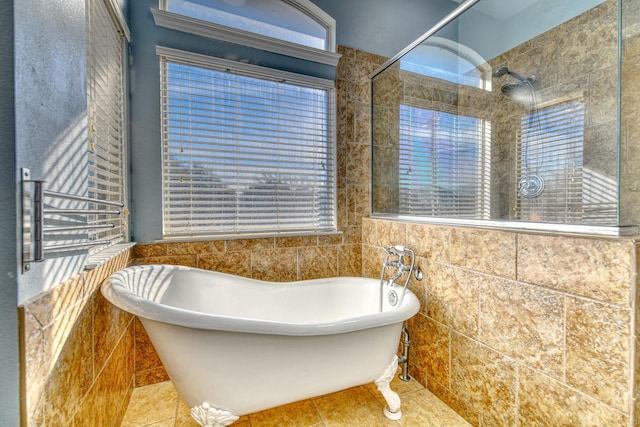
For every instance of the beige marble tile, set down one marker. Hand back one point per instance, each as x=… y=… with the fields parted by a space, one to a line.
x=187 y=248
x=297 y=414
x=165 y=423
x=72 y=375
x=600 y=147
x=593 y=268
x=369 y=234
x=549 y=403
x=57 y=301
x=598 y=353
x=391 y=233
x=109 y=324
x=589 y=46
x=358 y=162
x=148 y=367
x=484 y=378
x=158 y=402
x=238 y=263
x=352 y=235
x=453 y=297
x=317 y=262
x=603 y=98
x=275 y=265
x=293 y=242
x=183 y=416
x=107 y=400
x=142 y=250
x=341 y=208
x=430 y=349
x=356 y=407
x=361 y=94
x=33 y=365
x=350 y=260
x=487 y=251
x=250 y=244
x=352 y=407
x=358 y=206
x=458 y=404
x=428 y=241
x=151 y=376
x=330 y=239
x=523 y=322
x=372 y=259
x=422 y=408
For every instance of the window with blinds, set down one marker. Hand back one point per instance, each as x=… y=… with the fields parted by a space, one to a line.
x=106 y=107
x=551 y=151
x=443 y=165
x=245 y=150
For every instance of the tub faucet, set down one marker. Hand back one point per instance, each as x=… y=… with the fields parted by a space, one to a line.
x=396 y=260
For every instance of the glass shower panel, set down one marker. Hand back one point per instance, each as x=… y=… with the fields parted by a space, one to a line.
x=507 y=112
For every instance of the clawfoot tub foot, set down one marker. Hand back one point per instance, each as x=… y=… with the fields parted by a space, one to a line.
x=208 y=416
x=392 y=410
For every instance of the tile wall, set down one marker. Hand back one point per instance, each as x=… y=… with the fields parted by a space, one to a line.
x=520 y=329
x=77 y=353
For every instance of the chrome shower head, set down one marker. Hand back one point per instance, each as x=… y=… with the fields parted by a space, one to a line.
x=501 y=71
x=513 y=90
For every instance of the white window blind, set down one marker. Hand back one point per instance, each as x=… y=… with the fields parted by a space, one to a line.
x=444 y=164
x=245 y=152
x=106 y=107
x=551 y=144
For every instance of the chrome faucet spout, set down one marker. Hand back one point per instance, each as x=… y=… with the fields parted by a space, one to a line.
x=402 y=261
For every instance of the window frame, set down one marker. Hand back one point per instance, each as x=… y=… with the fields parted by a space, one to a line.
x=174 y=21
x=249 y=70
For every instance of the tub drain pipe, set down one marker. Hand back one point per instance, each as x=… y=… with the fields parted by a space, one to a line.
x=404 y=358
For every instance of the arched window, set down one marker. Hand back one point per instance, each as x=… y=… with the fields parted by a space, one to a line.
x=295 y=28
x=448 y=60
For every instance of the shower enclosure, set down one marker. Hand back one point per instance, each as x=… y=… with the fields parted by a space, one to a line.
x=509 y=113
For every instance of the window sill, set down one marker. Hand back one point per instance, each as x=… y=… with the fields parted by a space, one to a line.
x=101 y=257
x=518 y=226
x=239 y=236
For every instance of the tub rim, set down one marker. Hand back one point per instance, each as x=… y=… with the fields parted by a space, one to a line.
x=115 y=291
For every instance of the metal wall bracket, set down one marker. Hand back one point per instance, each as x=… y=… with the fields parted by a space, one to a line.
x=33 y=220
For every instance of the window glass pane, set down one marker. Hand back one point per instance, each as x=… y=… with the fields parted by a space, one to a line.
x=442 y=164
x=244 y=154
x=553 y=183
x=271 y=18
x=106 y=105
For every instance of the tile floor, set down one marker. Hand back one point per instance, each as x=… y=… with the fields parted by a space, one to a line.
x=159 y=405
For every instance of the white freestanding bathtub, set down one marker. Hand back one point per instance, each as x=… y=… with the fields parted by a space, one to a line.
x=234 y=346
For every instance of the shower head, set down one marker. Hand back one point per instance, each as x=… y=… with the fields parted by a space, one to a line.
x=514 y=90
x=501 y=71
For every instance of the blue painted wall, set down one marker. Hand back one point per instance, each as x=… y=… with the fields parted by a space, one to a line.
x=381 y=26
x=9 y=360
